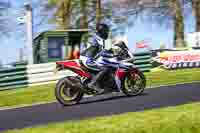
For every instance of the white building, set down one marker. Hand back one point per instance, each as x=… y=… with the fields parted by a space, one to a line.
x=193 y=39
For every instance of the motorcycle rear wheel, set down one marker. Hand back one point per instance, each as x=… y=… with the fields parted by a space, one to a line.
x=134 y=86
x=67 y=92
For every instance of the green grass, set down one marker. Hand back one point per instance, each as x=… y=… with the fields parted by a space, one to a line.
x=27 y=96
x=180 y=119
x=172 y=77
x=45 y=93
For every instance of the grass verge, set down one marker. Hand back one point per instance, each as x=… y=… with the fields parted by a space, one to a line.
x=45 y=93
x=180 y=119
x=27 y=96
x=172 y=77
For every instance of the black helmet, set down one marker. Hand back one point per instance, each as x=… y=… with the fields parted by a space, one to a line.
x=102 y=30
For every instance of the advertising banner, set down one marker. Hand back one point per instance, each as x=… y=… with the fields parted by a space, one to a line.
x=178 y=59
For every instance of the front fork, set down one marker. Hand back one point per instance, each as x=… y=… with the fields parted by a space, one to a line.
x=119 y=77
x=118 y=83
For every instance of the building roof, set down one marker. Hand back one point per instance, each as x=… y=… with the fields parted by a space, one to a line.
x=59 y=31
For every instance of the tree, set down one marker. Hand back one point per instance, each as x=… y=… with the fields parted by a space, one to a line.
x=63 y=12
x=1 y=64
x=196 y=11
x=84 y=17
x=98 y=11
x=84 y=12
x=178 y=24
x=160 y=11
x=66 y=9
x=3 y=19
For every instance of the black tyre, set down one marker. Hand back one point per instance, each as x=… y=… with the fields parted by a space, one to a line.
x=134 y=86
x=67 y=92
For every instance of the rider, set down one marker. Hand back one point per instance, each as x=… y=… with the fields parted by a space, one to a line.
x=88 y=55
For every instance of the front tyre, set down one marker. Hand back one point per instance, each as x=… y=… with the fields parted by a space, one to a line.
x=67 y=91
x=134 y=83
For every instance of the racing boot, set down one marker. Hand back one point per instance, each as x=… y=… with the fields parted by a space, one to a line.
x=94 y=83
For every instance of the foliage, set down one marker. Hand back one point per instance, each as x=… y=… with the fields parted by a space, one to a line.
x=196 y=11
x=85 y=14
x=162 y=11
x=3 y=17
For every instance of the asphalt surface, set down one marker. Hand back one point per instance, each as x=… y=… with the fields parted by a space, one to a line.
x=99 y=106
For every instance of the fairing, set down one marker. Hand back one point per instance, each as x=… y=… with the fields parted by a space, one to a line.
x=74 y=66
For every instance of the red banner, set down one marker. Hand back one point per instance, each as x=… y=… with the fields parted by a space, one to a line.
x=142 y=44
x=177 y=57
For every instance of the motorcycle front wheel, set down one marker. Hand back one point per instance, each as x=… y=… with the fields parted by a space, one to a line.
x=67 y=91
x=134 y=85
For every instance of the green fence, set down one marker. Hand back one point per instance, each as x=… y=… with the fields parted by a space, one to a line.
x=22 y=76
x=142 y=60
x=13 y=77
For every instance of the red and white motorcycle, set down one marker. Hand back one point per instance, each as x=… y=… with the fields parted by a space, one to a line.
x=122 y=77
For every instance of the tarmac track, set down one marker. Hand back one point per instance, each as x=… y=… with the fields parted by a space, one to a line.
x=99 y=106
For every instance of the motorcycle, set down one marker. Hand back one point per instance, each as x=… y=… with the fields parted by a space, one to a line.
x=123 y=76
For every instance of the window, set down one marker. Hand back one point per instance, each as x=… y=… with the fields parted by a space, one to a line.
x=55 y=47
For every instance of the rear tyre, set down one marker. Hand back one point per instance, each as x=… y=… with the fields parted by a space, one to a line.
x=67 y=91
x=134 y=85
